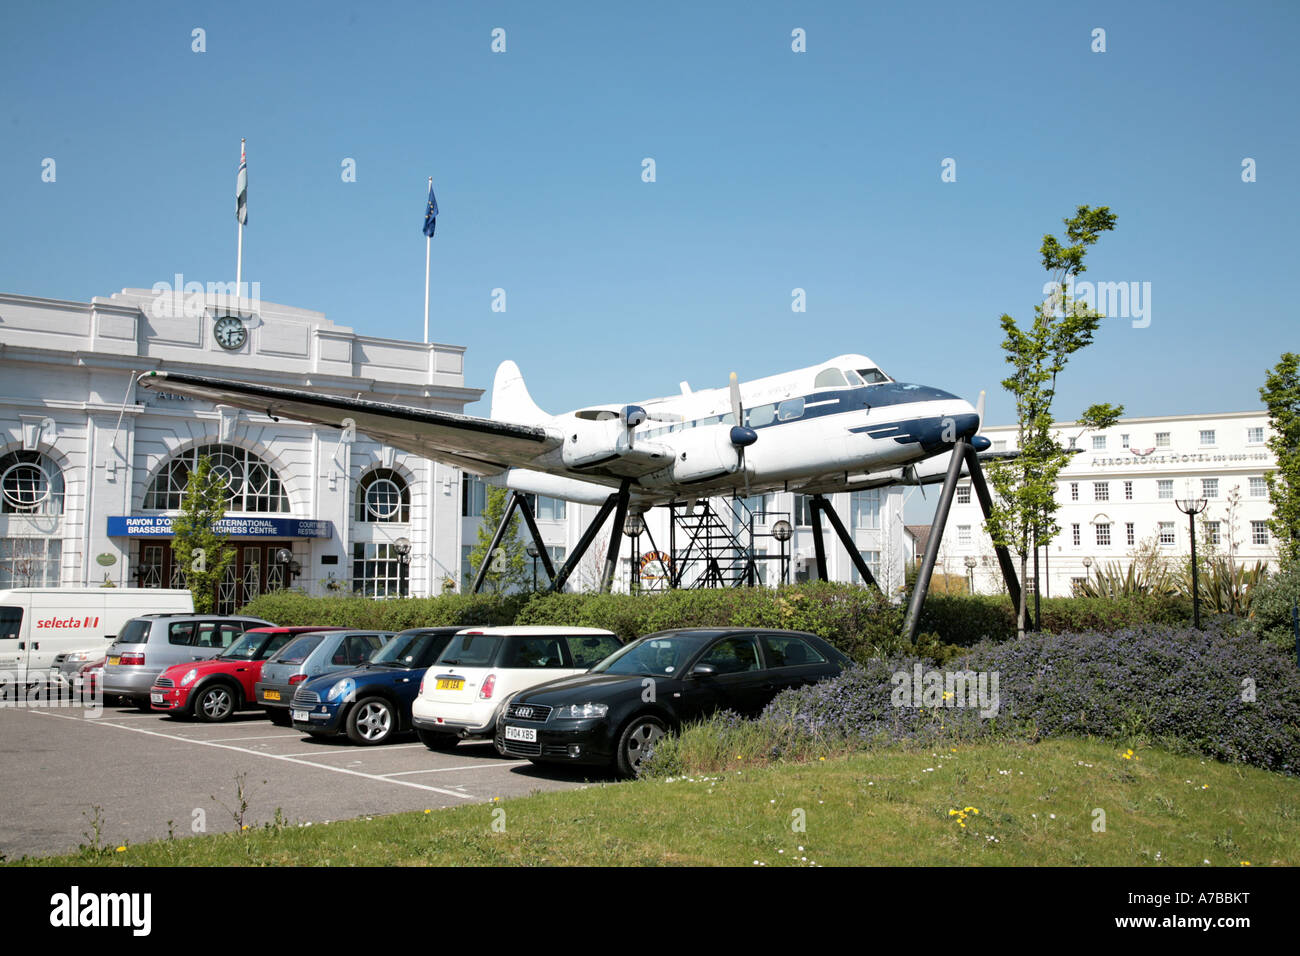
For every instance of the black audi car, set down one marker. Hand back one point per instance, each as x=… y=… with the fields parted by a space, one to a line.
x=614 y=713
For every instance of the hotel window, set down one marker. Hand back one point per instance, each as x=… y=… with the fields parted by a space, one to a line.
x=1123 y=440
x=550 y=509
x=251 y=484
x=1128 y=491
x=1167 y=534
x=1103 y=535
x=1162 y=439
x=864 y=509
x=31 y=562
x=473 y=496
x=1075 y=535
x=1259 y=532
x=1165 y=488
x=376 y=570
x=1101 y=491
x=963 y=535
x=1000 y=445
x=30 y=484
x=1130 y=535
x=382 y=496
x=1074 y=491
x=1255 y=436
x=1209 y=487
x=963 y=494
x=1212 y=532
x=870 y=558
x=1207 y=436
x=802 y=511
x=1098 y=442
x=1258 y=487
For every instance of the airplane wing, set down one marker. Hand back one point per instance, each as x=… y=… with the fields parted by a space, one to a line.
x=481 y=446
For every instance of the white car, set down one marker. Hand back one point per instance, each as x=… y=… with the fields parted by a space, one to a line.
x=463 y=692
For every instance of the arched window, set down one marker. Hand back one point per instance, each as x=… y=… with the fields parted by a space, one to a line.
x=382 y=495
x=30 y=484
x=251 y=484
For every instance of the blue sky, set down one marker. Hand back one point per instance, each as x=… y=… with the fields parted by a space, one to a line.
x=775 y=170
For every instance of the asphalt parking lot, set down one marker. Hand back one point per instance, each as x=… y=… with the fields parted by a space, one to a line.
x=147 y=773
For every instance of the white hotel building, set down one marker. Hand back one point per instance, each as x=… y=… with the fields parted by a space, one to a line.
x=91 y=468
x=1119 y=491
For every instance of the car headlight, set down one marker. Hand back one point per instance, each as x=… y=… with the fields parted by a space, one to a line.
x=342 y=690
x=583 y=710
x=188 y=679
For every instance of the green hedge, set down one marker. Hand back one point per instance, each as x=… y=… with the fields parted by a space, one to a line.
x=966 y=620
x=295 y=608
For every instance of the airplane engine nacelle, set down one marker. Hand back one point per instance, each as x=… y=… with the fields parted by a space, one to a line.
x=700 y=454
x=591 y=442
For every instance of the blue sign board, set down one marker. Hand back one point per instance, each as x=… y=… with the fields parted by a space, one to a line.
x=160 y=526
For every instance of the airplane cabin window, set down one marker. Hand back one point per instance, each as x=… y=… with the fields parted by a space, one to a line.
x=873 y=375
x=762 y=415
x=830 y=378
x=791 y=408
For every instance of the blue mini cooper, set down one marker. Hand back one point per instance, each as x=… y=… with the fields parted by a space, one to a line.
x=371 y=703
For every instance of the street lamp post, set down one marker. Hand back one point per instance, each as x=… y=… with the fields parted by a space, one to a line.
x=534 y=554
x=403 y=548
x=1087 y=570
x=970 y=574
x=782 y=531
x=1192 y=507
x=633 y=525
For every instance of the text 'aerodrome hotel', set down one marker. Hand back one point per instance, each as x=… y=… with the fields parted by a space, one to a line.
x=91 y=469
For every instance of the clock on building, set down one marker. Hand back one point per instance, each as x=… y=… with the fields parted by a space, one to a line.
x=230 y=332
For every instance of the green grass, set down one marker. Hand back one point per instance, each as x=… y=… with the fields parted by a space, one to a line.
x=1036 y=806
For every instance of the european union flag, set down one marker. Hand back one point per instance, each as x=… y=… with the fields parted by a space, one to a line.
x=431 y=214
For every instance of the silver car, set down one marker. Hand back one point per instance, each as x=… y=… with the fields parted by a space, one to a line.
x=148 y=645
x=309 y=656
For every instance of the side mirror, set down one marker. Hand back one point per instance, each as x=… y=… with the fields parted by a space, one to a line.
x=703 y=670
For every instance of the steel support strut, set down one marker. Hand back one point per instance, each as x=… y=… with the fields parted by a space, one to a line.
x=511 y=504
x=819 y=543
x=986 y=505
x=615 y=536
x=847 y=540
x=922 y=586
x=526 y=510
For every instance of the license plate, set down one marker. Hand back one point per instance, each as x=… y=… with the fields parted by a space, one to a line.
x=270 y=695
x=114 y=661
x=527 y=734
x=300 y=716
x=156 y=698
x=451 y=683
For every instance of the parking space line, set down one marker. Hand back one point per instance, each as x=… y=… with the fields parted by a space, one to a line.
x=472 y=766
x=268 y=756
x=334 y=753
x=221 y=740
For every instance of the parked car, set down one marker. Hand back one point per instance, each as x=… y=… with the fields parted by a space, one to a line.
x=90 y=674
x=55 y=630
x=324 y=651
x=371 y=703
x=613 y=714
x=213 y=690
x=461 y=694
x=148 y=645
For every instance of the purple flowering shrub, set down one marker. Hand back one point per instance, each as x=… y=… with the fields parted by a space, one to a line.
x=1183 y=688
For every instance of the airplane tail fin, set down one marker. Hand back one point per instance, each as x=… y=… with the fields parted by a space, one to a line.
x=510 y=399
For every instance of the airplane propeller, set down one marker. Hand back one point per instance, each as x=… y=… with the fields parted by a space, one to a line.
x=633 y=415
x=742 y=436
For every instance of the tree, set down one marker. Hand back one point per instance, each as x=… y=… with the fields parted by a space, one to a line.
x=1281 y=396
x=1023 y=514
x=508 y=569
x=200 y=549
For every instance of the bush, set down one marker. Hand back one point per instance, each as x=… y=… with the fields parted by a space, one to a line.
x=295 y=608
x=1270 y=606
x=1178 y=687
x=968 y=620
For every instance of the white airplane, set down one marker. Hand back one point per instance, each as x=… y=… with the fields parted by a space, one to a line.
x=840 y=425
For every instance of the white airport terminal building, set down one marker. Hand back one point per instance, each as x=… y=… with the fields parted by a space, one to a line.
x=92 y=469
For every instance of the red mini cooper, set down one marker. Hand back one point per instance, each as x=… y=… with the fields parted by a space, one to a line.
x=214 y=689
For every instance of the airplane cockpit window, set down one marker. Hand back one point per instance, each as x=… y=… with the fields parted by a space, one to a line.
x=853 y=377
x=874 y=375
x=830 y=378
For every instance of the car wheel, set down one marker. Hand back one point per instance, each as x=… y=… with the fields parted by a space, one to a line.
x=279 y=716
x=635 y=743
x=436 y=741
x=214 y=703
x=372 y=721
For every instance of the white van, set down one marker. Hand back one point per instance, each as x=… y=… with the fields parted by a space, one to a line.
x=38 y=625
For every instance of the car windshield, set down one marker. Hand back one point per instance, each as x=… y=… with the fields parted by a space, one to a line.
x=405 y=650
x=246 y=648
x=296 y=652
x=471 y=650
x=650 y=655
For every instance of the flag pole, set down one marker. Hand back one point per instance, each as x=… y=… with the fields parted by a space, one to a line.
x=239 y=253
x=427 y=241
